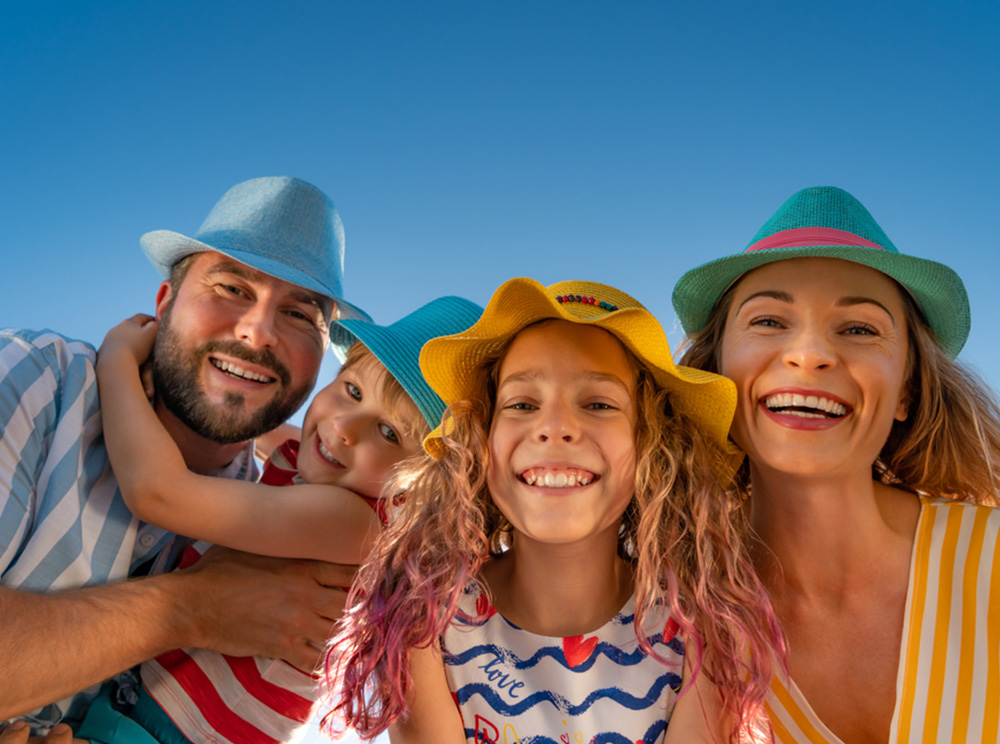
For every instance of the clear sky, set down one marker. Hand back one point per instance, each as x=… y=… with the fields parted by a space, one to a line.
x=468 y=142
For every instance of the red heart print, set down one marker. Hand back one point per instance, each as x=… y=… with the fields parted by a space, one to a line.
x=483 y=607
x=577 y=650
x=670 y=630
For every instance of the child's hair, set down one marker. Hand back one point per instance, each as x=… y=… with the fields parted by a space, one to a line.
x=951 y=414
x=688 y=540
x=393 y=396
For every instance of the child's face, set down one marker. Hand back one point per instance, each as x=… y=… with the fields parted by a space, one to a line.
x=562 y=441
x=349 y=437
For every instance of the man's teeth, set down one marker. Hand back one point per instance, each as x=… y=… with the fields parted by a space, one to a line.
x=807 y=406
x=326 y=454
x=232 y=369
x=558 y=479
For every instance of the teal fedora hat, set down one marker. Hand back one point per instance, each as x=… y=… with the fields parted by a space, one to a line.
x=825 y=221
x=282 y=226
x=398 y=345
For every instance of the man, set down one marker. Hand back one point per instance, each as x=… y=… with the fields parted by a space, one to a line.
x=244 y=321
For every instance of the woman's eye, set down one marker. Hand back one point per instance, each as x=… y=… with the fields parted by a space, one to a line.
x=766 y=321
x=389 y=433
x=861 y=329
x=354 y=391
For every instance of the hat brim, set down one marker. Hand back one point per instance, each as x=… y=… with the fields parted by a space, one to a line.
x=937 y=289
x=449 y=363
x=164 y=248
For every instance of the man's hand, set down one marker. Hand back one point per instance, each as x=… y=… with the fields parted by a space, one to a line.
x=249 y=605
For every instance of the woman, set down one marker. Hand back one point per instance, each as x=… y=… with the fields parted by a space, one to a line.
x=870 y=456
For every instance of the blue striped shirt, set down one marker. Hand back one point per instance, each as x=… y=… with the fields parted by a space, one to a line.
x=63 y=521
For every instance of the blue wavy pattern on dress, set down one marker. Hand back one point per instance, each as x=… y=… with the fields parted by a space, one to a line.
x=556 y=653
x=624 y=699
x=608 y=737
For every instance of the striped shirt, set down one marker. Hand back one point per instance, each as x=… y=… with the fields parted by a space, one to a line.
x=63 y=522
x=227 y=700
x=515 y=686
x=948 y=683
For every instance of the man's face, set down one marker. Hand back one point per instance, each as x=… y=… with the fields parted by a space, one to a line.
x=237 y=350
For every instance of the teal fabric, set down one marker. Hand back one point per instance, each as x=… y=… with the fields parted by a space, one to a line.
x=398 y=345
x=107 y=723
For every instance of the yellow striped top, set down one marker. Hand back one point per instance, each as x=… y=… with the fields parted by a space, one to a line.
x=948 y=683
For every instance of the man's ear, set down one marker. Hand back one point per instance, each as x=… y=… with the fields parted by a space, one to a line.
x=163 y=297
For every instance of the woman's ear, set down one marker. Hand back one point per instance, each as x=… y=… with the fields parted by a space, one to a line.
x=903 y=406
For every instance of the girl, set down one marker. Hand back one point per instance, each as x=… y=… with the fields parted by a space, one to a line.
x=570 y=555
x=868 y=448
x=371 y=417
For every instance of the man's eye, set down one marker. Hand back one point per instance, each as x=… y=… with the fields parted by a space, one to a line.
x=231 y=289
x=389 y=433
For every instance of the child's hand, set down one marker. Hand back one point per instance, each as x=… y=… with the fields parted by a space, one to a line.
x=17 y=732
x=129 y=341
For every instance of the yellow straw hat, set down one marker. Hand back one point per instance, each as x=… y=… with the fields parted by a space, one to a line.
x=449 y=363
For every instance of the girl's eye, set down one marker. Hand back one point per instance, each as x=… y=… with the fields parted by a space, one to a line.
x=520 y=405
x=354 y=391
x=600 y=406
x=389 y=433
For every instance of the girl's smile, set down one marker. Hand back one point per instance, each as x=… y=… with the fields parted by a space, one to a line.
x=818 y=350
x=562 y=441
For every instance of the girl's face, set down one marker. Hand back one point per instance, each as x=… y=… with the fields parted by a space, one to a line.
x=817 y=348
x=350 y=438
x=562 y=440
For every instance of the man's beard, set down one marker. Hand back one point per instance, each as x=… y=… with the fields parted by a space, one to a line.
x=177 y=384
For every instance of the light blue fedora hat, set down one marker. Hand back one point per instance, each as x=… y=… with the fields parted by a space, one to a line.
x=282 y=226
x=398 y=345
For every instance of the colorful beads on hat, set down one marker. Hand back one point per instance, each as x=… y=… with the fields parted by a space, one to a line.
x=587 y=301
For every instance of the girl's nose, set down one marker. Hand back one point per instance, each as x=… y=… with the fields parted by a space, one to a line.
x=345 y=428
x=557 y=422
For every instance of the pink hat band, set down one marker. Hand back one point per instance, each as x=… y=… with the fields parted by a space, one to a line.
x=803 y=237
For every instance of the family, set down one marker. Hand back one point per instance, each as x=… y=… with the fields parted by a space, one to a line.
x=788 y=535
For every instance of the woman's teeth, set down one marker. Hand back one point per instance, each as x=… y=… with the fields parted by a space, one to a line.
x=807 y=406
x=557 y=479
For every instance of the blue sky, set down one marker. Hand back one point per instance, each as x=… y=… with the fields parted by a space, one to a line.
x=468 y=142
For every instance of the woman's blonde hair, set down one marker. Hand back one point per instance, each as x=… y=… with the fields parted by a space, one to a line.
x=951 y=414
x=686 y=537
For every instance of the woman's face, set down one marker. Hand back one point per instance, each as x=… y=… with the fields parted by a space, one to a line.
x=817 y=348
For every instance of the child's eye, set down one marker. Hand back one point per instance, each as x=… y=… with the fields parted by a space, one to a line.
x=600 y=406
x=520 y=405
x=389 y=433
x=353 y=390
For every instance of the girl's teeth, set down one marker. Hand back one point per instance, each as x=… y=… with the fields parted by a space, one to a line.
x=559 y=479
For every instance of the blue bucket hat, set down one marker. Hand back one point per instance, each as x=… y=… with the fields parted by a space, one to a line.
x=282 y=226
x=397 y=346
x=828 y=222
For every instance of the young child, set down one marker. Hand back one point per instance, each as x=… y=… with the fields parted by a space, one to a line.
x=356 y=430
x=570 y=556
